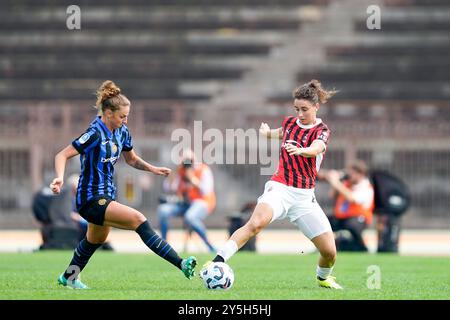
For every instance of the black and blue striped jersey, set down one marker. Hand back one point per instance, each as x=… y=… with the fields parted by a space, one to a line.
x=99 y=150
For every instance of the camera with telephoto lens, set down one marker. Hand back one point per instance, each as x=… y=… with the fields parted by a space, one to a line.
x=187 y=165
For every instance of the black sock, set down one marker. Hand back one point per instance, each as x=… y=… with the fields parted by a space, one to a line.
x=81 y=256
x=158 y=245
x=218 y=259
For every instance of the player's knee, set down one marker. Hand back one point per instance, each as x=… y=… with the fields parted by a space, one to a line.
x=255 y=226
x=329 y=254
x=96 y=238
x=137 y=219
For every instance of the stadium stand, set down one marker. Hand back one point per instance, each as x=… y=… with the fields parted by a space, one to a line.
x=149 y=47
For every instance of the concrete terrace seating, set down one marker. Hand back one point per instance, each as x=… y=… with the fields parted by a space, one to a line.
x=420 y=3
x=169 y=3
x=406 y=61
x=150 y=48
x=400 y=70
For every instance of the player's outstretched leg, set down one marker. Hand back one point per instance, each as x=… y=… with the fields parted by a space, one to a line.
x=165 y=251
x=81 y=256
x=124 y=217
x=260 y=219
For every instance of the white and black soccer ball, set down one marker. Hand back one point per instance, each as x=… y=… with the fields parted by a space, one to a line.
x=217 y=276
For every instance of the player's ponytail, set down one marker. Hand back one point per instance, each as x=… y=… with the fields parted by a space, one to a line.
x=109 y=97
x=313 y=92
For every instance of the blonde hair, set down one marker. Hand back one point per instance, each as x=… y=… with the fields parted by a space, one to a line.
x=313 y=92
x=109 y=97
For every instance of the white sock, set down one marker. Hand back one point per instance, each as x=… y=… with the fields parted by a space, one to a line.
x=228 y=250
x=323 y=272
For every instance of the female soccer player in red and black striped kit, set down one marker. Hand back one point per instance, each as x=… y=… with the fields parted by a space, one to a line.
x=290 y=192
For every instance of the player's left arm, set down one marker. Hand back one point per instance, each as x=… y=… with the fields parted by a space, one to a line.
x=316 y=148
x=137 y=162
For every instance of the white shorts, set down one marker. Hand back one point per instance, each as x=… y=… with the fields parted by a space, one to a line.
x=299 y=205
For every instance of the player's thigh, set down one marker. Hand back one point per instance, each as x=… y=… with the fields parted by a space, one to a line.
x=310 y=219
x=94 y=210
x=261 y=217
x=123 y=217
x=272 y=202
x=97 y=234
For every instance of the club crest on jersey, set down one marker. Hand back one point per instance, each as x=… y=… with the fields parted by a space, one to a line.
x=85 y=137
x=102 y=202
x=114 y=148
x=304 y=140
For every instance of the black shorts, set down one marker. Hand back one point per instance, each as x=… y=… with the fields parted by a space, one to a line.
x=94 y=210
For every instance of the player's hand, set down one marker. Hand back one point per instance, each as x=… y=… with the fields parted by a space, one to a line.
x=56 y=185
x=264 y=129
x=161 y=171
x=292 y=150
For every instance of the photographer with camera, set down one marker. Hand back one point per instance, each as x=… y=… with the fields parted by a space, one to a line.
x=195 y=199
x=354 y=204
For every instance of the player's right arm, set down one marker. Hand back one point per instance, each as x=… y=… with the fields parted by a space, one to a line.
x=265 y=130
x=60 y=166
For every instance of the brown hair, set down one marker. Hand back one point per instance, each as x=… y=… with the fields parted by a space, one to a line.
x=313 y=92
x=359 y=166
x=109 y=97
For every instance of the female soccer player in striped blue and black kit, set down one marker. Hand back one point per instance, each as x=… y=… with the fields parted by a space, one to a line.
x=99 y=148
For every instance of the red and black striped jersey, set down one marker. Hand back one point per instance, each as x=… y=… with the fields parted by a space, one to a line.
x=298 y=171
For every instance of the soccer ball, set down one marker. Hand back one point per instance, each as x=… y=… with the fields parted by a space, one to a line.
x=217 y=276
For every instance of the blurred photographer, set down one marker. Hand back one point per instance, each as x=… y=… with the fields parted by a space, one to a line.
x=53 y=213
x=193 y=184
x=353 y=211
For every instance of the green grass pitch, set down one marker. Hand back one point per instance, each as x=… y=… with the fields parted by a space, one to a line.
x=258 y=276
